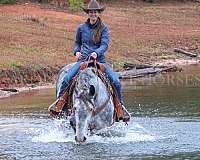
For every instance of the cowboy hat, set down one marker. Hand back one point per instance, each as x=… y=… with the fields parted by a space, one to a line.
x=93 y=5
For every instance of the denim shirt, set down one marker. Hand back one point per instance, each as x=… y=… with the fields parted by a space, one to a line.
x=85 y=44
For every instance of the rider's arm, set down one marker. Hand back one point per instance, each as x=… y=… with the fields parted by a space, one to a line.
x=77 y=44
x=104 y=41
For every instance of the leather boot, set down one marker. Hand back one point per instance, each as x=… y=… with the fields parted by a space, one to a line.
x=120 y=114
x=61 y=102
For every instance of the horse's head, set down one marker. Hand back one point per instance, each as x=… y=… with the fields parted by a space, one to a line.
x=83 y=101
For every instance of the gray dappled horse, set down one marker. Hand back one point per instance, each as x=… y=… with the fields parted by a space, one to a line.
x=92 y=103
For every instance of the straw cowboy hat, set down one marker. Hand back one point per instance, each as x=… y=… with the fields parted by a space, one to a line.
x=93 y=5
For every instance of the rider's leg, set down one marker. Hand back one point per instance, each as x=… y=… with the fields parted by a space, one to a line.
x=114 y=78
x=68 y=77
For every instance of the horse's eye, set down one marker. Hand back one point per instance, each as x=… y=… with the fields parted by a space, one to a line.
x=86 y=79
x=92 y=90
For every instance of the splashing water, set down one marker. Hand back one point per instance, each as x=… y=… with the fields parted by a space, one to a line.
x=166 y=125
x=60 y=131
x=56 y=131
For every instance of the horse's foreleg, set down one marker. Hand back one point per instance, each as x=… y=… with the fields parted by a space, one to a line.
x=72 y=122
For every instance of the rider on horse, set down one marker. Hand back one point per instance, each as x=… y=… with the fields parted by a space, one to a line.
x=92 y=39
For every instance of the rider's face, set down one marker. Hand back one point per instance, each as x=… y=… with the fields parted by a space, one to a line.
x=93 y=15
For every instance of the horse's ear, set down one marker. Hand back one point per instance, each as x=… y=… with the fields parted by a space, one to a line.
x=92 y=90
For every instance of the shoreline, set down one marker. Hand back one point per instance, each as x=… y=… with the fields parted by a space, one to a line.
x=180 y=62
x=7 y=94
x=176 y=62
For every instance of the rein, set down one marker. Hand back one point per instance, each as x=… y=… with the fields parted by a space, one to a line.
x=99 y=109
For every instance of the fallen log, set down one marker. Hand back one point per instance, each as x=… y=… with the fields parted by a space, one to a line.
x=134 y=73
x=190 y=54
x=8 y=89
x=128 y=66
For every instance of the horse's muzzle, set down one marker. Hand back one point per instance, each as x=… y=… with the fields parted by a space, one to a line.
x=77 y=140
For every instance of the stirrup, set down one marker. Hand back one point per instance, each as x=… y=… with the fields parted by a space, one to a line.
x=128 y=116
x=53 y=113
x=126 y=119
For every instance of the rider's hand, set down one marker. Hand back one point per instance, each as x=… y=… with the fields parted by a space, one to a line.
x=94 y=55
x=78 y=55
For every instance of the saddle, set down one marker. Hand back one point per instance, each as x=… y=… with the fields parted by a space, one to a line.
x=64 y=104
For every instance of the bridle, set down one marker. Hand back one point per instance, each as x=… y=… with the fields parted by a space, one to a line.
x=85 y=98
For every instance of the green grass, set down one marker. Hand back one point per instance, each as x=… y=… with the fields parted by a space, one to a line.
x=14 y=64
x=27 y=49
x=75 y=5
x=37 y=66
x=7 y=1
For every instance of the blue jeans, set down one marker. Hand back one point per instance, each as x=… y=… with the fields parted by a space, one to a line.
x=68 y=77
x=113 y=77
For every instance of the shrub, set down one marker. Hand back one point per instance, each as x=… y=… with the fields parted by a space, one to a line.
x=75 y=5
x=7 y=1
x=14 y=64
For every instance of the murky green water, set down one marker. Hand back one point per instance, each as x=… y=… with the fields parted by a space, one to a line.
x=165 y=124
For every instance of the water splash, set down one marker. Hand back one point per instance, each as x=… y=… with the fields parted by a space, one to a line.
x=120 y=133
x=56 y=131
x=60 y=131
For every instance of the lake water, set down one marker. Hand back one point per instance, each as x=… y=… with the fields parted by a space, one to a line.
x=165 y=123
